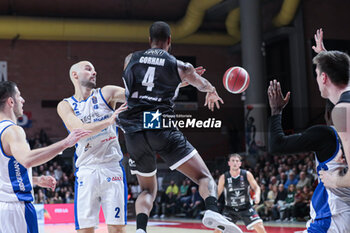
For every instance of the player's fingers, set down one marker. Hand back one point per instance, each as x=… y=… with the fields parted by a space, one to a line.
x=286 y=99
x=269 y=89
x=279 y=91
x=217 y=104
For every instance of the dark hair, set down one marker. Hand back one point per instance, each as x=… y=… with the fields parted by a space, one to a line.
x=335 y=64
x=234 y=155
x=159 y=31
x=7 y=89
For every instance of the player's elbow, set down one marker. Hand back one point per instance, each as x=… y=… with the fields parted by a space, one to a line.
x=274 y=146
x=26 y=163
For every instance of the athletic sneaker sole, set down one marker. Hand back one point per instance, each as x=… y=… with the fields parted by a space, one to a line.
x=215 y=220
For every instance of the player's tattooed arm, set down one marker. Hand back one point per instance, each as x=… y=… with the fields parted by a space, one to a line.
x=189 y=74
x=200 y=70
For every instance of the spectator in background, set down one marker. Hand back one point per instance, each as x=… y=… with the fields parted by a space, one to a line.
x=282 y=179
x=289 y=203
x=194 y=205
x=262 y=177
x=273 y=180
x=302 y=203
x=58 y=172
x=169 y=205
x=173 y=188
x=279 y=204
x=41 y=198
x=271 y=196
x=263 y=197
x=303 y=181
x=184 y=188
x=291 y=180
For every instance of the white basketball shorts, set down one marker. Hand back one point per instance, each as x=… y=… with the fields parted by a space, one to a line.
x=18 y=217
x=100 y=185
x=338 y=223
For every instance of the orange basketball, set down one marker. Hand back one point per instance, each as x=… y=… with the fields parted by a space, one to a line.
x=236 y=80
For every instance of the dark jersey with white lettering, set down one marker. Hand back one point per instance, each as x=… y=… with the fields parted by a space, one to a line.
x=237 y=191
x=151 y=82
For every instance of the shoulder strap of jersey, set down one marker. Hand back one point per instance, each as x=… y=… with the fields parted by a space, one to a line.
x=244 y=174
x=344 y=97
x=227 y=175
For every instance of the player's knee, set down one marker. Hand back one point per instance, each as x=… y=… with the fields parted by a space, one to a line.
x=150 y=192
x=116 y=229
x=207 y=179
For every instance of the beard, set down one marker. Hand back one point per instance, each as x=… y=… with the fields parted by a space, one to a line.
x=17 y=110
x=88 y=84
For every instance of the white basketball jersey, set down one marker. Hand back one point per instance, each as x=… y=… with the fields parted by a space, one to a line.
x=102 y=147
x=15 y=180
x=328 y=202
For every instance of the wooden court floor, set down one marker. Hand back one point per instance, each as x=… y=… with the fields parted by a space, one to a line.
x=176 y=226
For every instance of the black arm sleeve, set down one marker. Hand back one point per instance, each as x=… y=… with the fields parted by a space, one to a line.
x=320 y=139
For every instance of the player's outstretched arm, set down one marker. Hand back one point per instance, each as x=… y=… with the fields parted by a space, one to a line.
x=15 y=144
x=340 y=120
x=113 y=94
x=189 y=74
x=71 y=121
x=319 y=41
x=199 y=70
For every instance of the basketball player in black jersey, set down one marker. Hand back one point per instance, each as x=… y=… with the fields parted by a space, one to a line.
x=152 y=78
x=236 y=183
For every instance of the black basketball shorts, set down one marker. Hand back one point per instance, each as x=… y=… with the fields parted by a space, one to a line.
x=249 y=216
x=170 y=144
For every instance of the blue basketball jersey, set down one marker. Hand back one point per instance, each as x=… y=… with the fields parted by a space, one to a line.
x=327 y=202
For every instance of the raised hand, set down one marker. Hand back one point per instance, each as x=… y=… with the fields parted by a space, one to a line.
x=319 y=41
x=276 y=99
